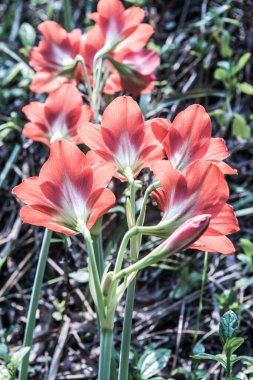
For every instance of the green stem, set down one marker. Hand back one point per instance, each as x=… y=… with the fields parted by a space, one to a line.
x=106 y=341
x=95 y=274
x=200 y=308
x=150 y=188
x=120 y=256
x=141 y=217
x=67 y=15
x=127 y=329
x=128 y=317
x=228 y=367
x=9 y=163
x=80 y=59
x=98 y=249
x=96 y=95
x=31 y=316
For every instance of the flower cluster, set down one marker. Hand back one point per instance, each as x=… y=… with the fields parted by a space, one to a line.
x=70 y=189
x=118 y=38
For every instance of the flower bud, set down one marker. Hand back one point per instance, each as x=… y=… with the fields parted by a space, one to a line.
x=184 y=236
x=106 y=283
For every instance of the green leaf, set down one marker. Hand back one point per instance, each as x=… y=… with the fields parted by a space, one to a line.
x=232 y=345
x=153 y=361
x=247 y=247
x=144 y=102
x=17 y=357
x=226 y=50
x=228 y=326
x=4 y=373
x=241 y=63
x=240 y=127
x=217 y=358
x=4 y=352
x=198 y=349
x=57 y=315
x=232 y=21
x=243 y=358
x=220 y=74
x=246 y=88
x=81 y=276
x=11 y=74
x=224 y=65
x=244 y=258
x=27 y=34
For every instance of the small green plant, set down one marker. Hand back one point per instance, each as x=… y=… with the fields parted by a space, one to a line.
x=151 y=363
x=247 y=256
x=218 y=22
x=10 y=361
x=228 y=301
x=228 y=331
x=60 y=307
x=227 y=72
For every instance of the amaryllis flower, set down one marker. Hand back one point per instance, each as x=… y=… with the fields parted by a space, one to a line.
x=200 y=189
x=188 y=139
x=54 y=58
x=135 y=72
x=57 y=118
x=68 y=194
x=121 y=29
x=123 y=138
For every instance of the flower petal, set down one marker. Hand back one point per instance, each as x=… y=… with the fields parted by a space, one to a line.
x=224 y=223
x=122 y=117
x=220 y=244
x=103 y=203
x=217 y=152
x=66 y=170
x=208 y=185
x=31 y=215
x=194 y=126
x=29 y=191
x=91 y=135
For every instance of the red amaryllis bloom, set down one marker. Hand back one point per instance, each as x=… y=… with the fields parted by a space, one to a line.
x=123 y=138
x=54 y=58
x=68 y=193
x=131 y=71
x=188 y=139
x=200 y=189
x=134 y=72
x=121 y=29
x=57 y=118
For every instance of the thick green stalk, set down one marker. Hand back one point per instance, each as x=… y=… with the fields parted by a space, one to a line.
x=228 y=367
x=98 y=249
x=9 y=163
x=127 y=329
x=23 y=373
x=80 y=59
x=152 y=187
x=122 y=248
x=96 y=95
x=106 y=340
x=95 y=274
x=127 y=325
x=200 y=308
x=67 y=15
